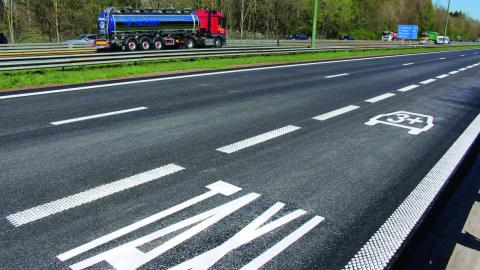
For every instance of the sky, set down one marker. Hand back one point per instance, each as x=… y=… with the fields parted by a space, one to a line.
x=471 y=7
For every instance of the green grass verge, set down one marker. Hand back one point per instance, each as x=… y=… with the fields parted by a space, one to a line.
x=75 y=75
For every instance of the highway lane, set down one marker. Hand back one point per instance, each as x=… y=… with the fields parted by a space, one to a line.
x=38 y=111
x=339 y=169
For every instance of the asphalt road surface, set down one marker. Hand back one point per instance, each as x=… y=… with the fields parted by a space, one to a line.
x=320 y=165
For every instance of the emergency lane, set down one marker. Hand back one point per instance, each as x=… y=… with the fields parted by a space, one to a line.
x=326 y=181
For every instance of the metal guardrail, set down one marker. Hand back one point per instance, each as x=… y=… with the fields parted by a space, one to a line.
x=67 y=60
x=65 y=48
x=24 y=63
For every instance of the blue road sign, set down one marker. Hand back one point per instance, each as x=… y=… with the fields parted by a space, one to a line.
x=408 y=31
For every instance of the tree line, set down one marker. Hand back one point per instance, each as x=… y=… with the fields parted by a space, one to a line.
x=56 y=20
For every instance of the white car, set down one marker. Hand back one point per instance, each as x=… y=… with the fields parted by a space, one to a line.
x=83 y=39
x=442 y=40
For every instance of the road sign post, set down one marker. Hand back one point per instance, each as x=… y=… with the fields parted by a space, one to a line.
x=446 y=24
x=314 y=24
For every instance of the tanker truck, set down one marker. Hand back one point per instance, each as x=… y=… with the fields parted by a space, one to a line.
x=133 y=29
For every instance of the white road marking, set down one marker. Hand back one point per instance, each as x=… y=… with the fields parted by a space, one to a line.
x=337 y=75
x=462 y=55
x=442 y=76
x=442 y=58
x=268 y=255
x=408 y=64
x=414 y=122
x=462 y=69
x=234 y=147
x=252 y=231
x=379 y=98
x=335 y=113
x=218 y=187
x=64 y=90
x=56 y=123
x=408 y=88
x=60 y=205
x=453 y=72
x=128 y=256
x=385 y=243
x=428 y=81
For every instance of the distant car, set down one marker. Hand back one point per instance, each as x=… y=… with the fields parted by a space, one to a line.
x=83 y=39
x=298 y=37
x=348 y=38
x=389 y=36
x=3 y=39
x=442 y=40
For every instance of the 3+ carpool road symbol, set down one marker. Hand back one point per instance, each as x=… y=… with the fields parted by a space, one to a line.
x=414 y=122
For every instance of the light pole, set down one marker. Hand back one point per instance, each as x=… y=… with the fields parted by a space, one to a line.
x=446 y=23
x=314 y=24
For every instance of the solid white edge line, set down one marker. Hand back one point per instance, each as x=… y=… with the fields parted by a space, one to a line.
x=380 y=97
x=387 y=240
x=335 y=113
x=214 y=73
x=442 y=76
x=90 y=195
x=428 y=81
x=336 y=75
x=408 y=64
x=234 y=147
x=270 y=253
x=68 y=121
x=408 y=88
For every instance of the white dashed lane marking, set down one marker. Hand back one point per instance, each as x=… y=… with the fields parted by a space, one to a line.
x=442 y=76
x=408 y=88
x=335 y=113
x=462 y=69
x=453 y=72
x=428 y=81
x=257 y=139
x=337 y=75
x=443 y=58
x=379 y=98
x=56 y=123
x=90 y=195
x=408 y=64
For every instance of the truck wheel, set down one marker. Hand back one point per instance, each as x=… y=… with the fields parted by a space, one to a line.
x=190 y=43
x=217 y=43
x=145 y=44
x=158 y=44
x=131 y=44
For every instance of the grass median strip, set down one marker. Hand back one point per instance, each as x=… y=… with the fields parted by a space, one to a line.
x=11 y=80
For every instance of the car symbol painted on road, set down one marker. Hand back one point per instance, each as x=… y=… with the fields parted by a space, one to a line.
x=416 y=123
